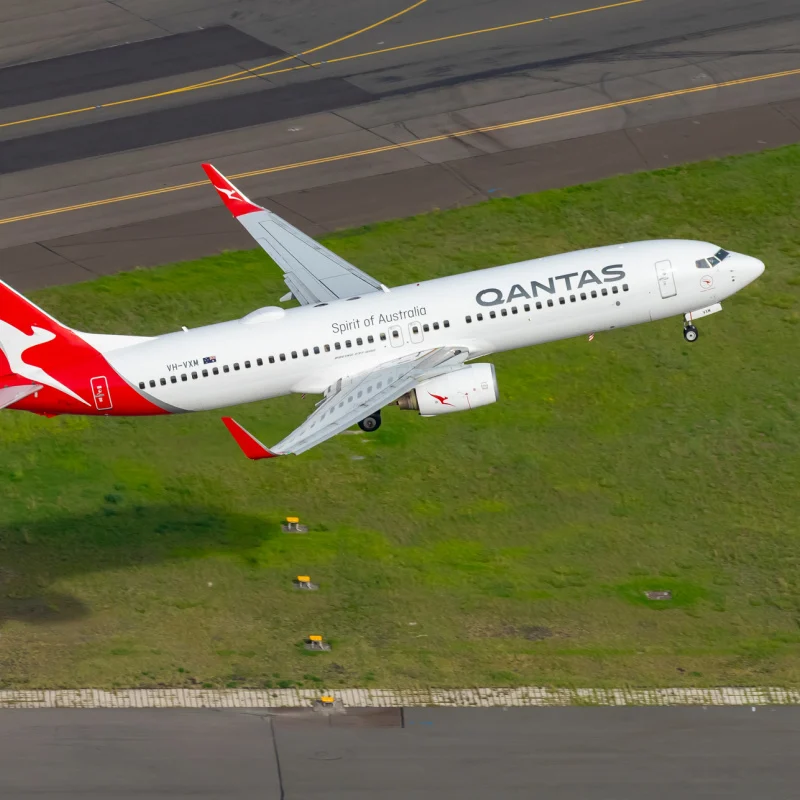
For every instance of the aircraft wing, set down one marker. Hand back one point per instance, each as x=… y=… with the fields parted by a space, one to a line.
x=13 y=394
x=312 y=272
x=352 y=399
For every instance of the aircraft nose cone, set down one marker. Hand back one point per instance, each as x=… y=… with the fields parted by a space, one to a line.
x=748 y=268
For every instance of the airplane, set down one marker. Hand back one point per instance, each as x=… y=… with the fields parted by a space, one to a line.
x=351 y=339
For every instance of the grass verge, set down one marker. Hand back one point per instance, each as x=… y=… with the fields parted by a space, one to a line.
x=509 y=545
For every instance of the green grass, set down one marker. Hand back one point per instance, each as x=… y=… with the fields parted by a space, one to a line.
x=512 y=544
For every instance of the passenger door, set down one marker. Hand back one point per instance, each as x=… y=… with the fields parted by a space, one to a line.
x=666 y=279
x=415 y=332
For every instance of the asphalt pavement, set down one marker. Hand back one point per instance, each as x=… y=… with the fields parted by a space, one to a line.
x=394 y=754
x=100 y=165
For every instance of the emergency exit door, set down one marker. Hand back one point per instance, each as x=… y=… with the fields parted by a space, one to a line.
x=666 y=279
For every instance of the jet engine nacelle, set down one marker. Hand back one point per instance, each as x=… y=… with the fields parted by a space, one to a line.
x=461 y=390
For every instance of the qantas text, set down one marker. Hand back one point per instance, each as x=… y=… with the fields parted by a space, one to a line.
x=571 y=281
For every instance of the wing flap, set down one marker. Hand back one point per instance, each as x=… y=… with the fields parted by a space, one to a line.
x=362 y=395
x=350 y=400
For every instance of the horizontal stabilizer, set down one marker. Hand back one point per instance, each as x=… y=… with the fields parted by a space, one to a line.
x=251 y=447
x=13 y=394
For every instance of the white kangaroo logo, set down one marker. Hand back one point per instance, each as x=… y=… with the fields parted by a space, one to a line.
x=14 y=343
x=232 y=194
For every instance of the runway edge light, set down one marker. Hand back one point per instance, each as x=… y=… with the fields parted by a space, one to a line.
x=292 y=525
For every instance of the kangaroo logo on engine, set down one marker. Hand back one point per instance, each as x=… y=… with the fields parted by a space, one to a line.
x=495 y=297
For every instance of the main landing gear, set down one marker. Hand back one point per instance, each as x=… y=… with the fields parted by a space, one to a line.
x=690 y=333
x=371 y=423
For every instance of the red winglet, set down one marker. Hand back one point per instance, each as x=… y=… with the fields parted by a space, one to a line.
x=235 y=201
x=251 y=447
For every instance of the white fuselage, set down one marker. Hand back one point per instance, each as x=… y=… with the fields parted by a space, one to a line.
x=276 y=351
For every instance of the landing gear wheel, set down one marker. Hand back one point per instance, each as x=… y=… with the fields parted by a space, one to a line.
x=371 y=423
x=690 y=333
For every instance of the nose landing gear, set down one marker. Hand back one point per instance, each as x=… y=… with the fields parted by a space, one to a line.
x=371 y=423
x=690 y=333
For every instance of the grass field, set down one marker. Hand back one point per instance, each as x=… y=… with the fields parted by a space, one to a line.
x=508 y=545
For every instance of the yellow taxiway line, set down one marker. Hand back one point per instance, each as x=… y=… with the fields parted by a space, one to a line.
x=244 y=75
x=414 y=143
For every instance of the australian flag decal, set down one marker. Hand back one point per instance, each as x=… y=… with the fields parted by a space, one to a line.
x=210 y=360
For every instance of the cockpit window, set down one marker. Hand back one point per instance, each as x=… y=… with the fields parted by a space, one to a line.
x=712 y=261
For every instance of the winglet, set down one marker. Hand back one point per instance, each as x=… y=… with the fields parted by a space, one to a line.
x=251 y=447
x=234 y=200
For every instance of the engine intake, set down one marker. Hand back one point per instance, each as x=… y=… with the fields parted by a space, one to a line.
x=460 y=390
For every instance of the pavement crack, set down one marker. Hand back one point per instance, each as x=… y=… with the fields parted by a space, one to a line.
x=277 y=756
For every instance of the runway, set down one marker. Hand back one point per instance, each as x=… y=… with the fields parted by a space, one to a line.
x=394 y=754
x=107 y=110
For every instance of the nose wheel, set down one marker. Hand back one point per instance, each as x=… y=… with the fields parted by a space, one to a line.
x=690 y=333
x=371 y=423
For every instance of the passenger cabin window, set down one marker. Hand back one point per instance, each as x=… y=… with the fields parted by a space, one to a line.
x=469 y=319
x=426 y=327
x=538 y=306
x=492 y=314
x=247 y=365
x=260 y=362
x=215 y=371
x=479 y=317
x=348 y=343
x=436 y=326
x=370 y=339
x=183 y=377
x=194 y=376
x=152 y=384
x=562 y=301
x=383 y=337
x=141 y=384
x=395 y=334
x=163 y=381
x=503 y=312
x=294 y=353
x=615 y=290
x=236 y=366
x=446 y=323
x=316 y=351
x=226 y=368
x=282 y=356
x=359 y=341
x=604 y=292
x=271 y=359
x=337 y=345
x=305 y=351
x=205 y=373
x=514 y=309
x=327 y=348
x=173 y=379
x=549 y=303
x=624 y=287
